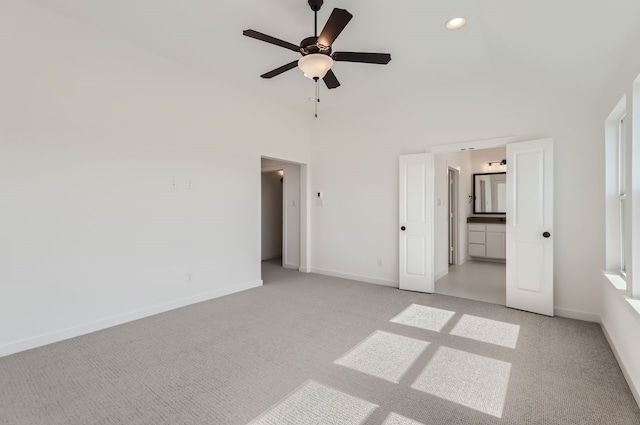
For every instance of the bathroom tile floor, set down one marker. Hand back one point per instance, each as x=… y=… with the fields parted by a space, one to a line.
x=475 y=280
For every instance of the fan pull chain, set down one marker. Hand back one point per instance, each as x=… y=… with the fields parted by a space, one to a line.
x=317 y=95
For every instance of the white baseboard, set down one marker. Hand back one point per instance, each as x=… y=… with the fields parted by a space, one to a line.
x=440 y=275
x=359 y=278
x=291 y=266
x=578 y=315
x=304 y=270
x=62 y=334
x=635 y=391
x=271 y=256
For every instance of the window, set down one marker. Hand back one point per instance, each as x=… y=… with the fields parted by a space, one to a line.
x=632 y=142
x=617 y=205
x=622 y=193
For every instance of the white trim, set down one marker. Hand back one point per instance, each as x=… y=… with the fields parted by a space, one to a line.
x=304 y=270
x=271 y=168
x=271 y=256
x=367 y=279
x=618 y=283
x=62 y=334
x=575 y=314
x=616 y=280
x=497 y=142
x=291 y=266
x=634 y=391
x=305 y=220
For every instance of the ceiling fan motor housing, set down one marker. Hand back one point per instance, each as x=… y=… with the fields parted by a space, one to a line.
x=310 y=45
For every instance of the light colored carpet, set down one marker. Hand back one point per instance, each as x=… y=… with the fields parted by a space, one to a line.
x=316 y=404
x=234 y=359
x=424 y=317
x=395 y=419
x=474 y=381
x=487 y=330
x=384 y=355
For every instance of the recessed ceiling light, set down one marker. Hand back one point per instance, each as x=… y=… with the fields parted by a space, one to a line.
x=455 y=23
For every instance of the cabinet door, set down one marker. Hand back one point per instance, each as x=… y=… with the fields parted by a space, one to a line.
x=477 y=250
x=496 y=245
x=476 y=237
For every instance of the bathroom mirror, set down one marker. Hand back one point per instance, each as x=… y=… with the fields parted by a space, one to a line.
x=490 y=193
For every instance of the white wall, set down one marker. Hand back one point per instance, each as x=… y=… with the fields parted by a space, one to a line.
x=130 y=184
x=355 y=163
x=480 y=159
x=620 y=322
x=271 y=215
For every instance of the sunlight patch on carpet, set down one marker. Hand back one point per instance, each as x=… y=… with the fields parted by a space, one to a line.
x=474 y=381
x=316 y=404
x=395 y=419
x=487 y=330
x=423 y=317
x=384 y=355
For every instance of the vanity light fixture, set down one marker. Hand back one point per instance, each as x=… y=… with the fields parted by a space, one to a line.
x=502 y=163
x=455 y=23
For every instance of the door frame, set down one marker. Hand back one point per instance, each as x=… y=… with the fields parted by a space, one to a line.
x=478 y=145
x=303 y=209
x=453 y=209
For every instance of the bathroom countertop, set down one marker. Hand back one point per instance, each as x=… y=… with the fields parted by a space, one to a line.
x=492 y=220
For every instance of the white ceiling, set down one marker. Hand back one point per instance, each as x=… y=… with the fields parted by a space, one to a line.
x=568 y=43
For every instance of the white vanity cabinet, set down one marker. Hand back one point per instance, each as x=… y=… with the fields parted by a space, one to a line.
x=487 y=241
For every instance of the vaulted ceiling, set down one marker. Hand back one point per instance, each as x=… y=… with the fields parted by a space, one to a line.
x=565 y=43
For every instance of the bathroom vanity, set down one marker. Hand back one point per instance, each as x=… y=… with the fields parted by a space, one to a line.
x=487 y=237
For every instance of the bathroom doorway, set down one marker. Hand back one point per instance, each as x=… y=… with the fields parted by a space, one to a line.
x=465 y=265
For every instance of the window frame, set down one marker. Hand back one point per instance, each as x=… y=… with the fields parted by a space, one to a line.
x=621 y=170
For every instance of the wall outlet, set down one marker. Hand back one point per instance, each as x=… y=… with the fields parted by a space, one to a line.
x=379 y=262
x=189 y=277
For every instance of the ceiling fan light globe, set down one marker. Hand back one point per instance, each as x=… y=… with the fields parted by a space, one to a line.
x=315 y=65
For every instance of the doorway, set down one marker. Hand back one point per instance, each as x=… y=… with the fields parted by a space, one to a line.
x=272 y=183
x=283 y=229
x=473 y=272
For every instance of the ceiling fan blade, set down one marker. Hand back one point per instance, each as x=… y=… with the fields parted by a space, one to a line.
x=267 y=38
x=337 y=21
x=280 y=70
x=379 y=58
x=331 y=81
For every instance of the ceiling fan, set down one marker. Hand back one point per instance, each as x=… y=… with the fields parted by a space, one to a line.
x=317 y=56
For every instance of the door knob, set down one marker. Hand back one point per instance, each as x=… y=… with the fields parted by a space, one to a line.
x=546 y=234
x=403 y=228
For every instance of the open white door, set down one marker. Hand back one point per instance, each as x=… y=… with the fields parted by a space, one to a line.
x=416 y=222
x=530 y=226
